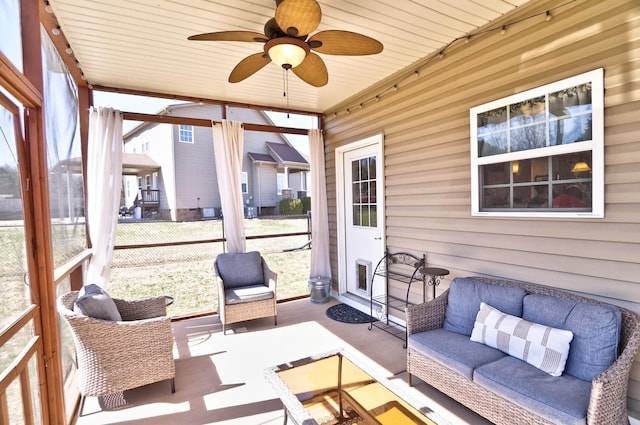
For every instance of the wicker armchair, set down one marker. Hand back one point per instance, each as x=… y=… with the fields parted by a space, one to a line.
x=118 y=356
x=246 y=288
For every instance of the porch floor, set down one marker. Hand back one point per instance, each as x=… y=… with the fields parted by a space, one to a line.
x=220 y=378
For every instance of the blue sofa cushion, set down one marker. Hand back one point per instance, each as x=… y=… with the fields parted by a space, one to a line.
x=247 y=294
x=595 y=327
x=465 y=296
x=93 y=301
x=559 y=399
x=453 y=350
x=241 y=269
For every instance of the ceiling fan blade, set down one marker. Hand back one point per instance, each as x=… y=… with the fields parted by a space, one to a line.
x=230 y=36
x=298 y=17
x=336 y=42
x=312 y=70
x=248 y=66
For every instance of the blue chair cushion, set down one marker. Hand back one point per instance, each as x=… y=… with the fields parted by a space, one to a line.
x=454 y=350
x=465 y=296
x=241 y=269
x=94 y=302
x=559 y=399
x=596 y=331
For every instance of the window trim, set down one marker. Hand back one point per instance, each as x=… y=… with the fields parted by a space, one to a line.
x=185 y=128
x=595 y=146
x=244 y=182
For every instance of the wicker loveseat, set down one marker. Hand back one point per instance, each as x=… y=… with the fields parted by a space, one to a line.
x=507 y=390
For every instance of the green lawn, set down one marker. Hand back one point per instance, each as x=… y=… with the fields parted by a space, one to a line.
x=186 y=271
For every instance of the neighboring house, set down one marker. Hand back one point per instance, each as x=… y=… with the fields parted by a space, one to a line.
x=183 y=184
x=284 y=164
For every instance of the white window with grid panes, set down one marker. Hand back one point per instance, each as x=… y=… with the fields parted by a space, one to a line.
x=541 y=152
x=245 y=182
x=185 y=133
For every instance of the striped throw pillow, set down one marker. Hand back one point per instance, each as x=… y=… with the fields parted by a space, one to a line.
x=541 y=346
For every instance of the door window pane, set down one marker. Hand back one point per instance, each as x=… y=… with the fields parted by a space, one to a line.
x=373 y=216
x=363 y=192
x=372 y=168
x=357 y=215
x=364 y=169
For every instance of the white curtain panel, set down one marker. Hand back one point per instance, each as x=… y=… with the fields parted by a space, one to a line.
x=320 y=265
x=104 y=185
x=228 y=140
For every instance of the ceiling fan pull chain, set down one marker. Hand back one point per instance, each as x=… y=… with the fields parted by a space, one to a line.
x=285 y=83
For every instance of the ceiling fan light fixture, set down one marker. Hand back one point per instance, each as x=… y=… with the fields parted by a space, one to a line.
x=286 y=52
x=287 y=43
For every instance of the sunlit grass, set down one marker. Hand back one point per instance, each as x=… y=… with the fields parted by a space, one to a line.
x=186 y=272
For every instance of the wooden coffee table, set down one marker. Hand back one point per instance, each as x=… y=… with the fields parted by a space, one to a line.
x=340 y=387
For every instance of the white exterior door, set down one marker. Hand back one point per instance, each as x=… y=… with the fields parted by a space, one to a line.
x=361 y=230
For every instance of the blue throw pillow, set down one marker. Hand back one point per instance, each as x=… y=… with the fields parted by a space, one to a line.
x=465 y=296
x=94 y=302
x=595 y=327
x=241 y=269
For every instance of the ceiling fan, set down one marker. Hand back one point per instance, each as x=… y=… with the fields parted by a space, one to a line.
x=287 y=43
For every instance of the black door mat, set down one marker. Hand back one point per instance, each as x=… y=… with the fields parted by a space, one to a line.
x=346 y=314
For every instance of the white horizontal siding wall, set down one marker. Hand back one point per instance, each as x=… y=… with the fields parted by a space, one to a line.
x=427 y=155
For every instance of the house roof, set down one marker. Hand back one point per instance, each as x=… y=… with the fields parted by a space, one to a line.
x=285 y=153
x=135 y=163
x=132 y=164
x=282 y=155
x=261 y=157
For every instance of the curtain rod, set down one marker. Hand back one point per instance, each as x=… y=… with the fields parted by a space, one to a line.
x=135 y=116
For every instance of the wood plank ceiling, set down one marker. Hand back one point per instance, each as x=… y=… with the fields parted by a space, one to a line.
x=142 y=44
